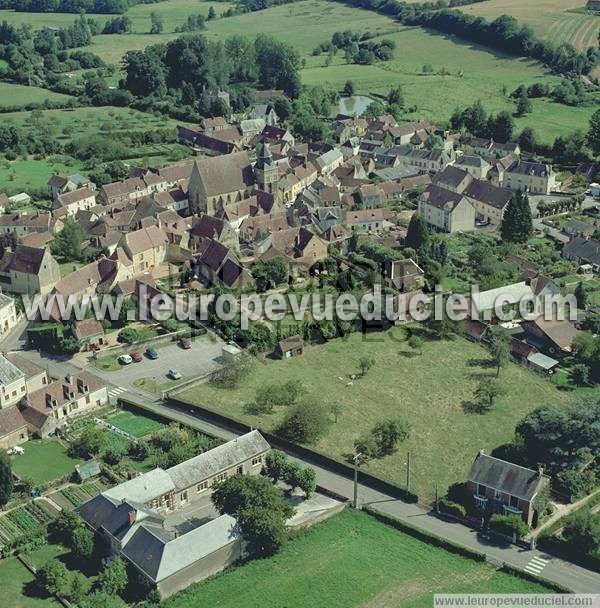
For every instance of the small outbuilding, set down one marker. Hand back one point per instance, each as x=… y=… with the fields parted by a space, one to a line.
x=290 y=347
x=541 y=363
x=88 y=469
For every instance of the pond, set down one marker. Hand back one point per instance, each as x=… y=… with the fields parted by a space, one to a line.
x=355 y=105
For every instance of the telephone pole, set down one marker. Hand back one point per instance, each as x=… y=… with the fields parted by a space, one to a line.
x=408 y=473
x=355 y=460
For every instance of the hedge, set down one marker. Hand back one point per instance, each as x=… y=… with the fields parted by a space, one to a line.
x=423 y=535
x=452 y=508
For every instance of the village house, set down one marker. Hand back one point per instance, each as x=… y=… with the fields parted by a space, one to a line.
x=527 y=176
x=446 y=211
x=476 y=166
x=489 y=201
x=128 y=190
x=82 y=199
x=8 y=314
x=370 y=220
x=218 y=265
x=503 y=487
x=583 y=251
x=74 y=395
x=140 y=519
x=207 y=228
x=266 y=113
x=22 y=224
x=58 y=185
x=405 y=275
x=12 y=383
x=13 y=428
x=90 y=333
x=146 y=248
x=329 y=161
x=31 y=270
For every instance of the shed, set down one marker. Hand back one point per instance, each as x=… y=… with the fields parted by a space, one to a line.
x=542 y=363
x=290 y=347
x=230 y=351
x=88 y=469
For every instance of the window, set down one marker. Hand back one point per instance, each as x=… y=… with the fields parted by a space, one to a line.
x=256 y=461
x=221 y=477
x=202 y=486
x=497 y=494
x=514 y=502
x=480 y=490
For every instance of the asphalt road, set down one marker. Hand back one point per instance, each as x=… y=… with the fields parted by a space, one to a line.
x=535 y=562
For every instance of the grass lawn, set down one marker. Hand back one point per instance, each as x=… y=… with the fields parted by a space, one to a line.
x=16 y=583
x=351 y=560
x=20 y=95
x=110 y=363
x=137 y=425
x=44 y=460
x=428 y=390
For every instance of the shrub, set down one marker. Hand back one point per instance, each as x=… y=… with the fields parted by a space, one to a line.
x=452 y=508
x=305 y=423
x=508 y=525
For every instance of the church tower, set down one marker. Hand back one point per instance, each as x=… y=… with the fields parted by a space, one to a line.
x=266 y=173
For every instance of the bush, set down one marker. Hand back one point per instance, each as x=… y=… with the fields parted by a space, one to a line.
x=452 y=508
x=575 y=484
x=508 y=525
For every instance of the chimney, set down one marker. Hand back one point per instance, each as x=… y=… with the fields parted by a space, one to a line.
x=48 y=399
x=541 y=470
x=132 y=517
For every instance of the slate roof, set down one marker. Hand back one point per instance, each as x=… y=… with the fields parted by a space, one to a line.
x=218 y=459
x=160 y=558
x=584 y=249
x=27 y=259
x=452 y=177
x=214 y=255
x=221 y=174
x=441 y=197
x=505 y=476
x=523 y=167
x=29 y=368
x=483 y=191
x=9 y=373
x=144 y=488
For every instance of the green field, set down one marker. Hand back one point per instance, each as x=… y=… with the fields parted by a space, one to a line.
x=16 y=583
x=427 y=390
x=20 y=95
x=351 y=560
x=137 y=425
x=44 y=460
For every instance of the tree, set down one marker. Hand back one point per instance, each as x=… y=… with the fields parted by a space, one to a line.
x=487 y=391
x=581 y=296
x=211 y=13
x=260 y=509
x=348 y=89
x=580 y=373
x=501 y=127
x=89 y=443
x=593 y=135
x=365 y=364
x=99 y=599
x=113 y=579
x=388 y=433
x=517 y=223
x=231 y=374
x=417 y=235
x=366 y=446
x=575 y=484
x=157 y=23
x=64 y=525
x=499 y=349
x=78 y=586
x=395 y=96
x=6 y=478
x=508 y=525
x=524 y=105
x=305 y=423
x=562 y=437
x=52 y=577
x=307 y=481
x=583 y=532
x=416 y=343
x=528 y=140
x=82 y=542
x=68 y=242
x=275 y=465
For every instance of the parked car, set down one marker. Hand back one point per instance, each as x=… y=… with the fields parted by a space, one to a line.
x=185 y=343
x=152 y=353
x=175 y=374
x=125 y=359
x=136 y=356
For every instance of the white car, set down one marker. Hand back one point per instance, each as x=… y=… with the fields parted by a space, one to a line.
x=175 y=374
x=125 y=359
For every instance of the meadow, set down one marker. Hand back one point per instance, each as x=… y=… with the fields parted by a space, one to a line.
x=430 y=390
x=20 y=95
x=556 y=20
x=351 y=560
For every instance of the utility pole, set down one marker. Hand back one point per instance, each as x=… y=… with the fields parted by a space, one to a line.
x=408 y=473
x=355 y=460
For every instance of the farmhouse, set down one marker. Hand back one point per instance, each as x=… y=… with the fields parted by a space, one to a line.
x=526 y=176
x=503 y=487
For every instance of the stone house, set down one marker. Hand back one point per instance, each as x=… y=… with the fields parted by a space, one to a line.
x=58 y=185
x=22 y=224
x=526 y=176
x=370 y=220
x=33 y=270
x=446 y=211
x=8 y=314
x=146 y=248
x=82 y=199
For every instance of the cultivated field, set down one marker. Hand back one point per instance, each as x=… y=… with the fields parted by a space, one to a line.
x=429 y=390
x=556 y=20
x=351 y=560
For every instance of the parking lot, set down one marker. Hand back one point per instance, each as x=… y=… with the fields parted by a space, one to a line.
x=201 y=358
